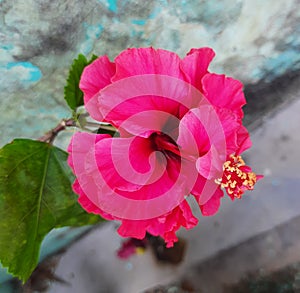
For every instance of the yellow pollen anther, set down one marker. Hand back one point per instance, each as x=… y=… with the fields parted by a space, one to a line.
x=236 y=177
x=233 y=184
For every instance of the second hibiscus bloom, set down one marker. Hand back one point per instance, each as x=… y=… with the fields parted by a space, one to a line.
x=180 y=133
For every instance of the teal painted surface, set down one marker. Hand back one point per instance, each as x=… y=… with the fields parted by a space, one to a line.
x=139 y=21
x=21 y=74
x=59 y=238
x=93 y=32
x=6 y=288
x=4 y=275
x=110 y=4
x=34 y=73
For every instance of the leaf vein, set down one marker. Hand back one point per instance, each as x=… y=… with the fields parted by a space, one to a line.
x=39 y=206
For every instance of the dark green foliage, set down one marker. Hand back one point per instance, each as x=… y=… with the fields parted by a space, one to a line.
x=72 y=93
x=35 y=197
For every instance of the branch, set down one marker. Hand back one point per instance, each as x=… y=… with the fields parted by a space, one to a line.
x=51 y=135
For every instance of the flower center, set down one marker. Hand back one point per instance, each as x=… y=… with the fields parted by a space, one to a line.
x=164 y=143
x=237 y=177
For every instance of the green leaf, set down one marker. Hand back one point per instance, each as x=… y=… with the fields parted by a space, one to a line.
x=72 y=93
x=93 y=58
x=35 y=197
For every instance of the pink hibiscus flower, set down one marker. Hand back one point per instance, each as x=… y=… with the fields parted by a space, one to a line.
x=180 y=133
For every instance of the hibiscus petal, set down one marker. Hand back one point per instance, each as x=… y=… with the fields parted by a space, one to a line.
x=133 y=170
x=164 y=226
x=147 y=119
x=141 y=61
x=210 y=165
x=167 y=226
x=212 y=205
x=127 y=163
x=198 y=187
x=95 y=77
x=205 y=126
x=192 y=137
x=196 y=63
x=224 y=92
x=147 y=79
x=208 y=194
x=243 y=140
x=120 y=192
x=189 y=221
x=204 y=190
x=141 y=98
x=136 y=229
x=78 y=148
x=89 y=206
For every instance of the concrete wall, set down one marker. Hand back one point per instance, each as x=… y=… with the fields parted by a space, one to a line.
x=254 y=40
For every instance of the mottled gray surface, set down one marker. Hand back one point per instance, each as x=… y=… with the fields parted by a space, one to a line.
x=254 y=40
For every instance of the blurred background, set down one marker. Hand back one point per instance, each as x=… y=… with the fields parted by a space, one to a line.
x=251 y=244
